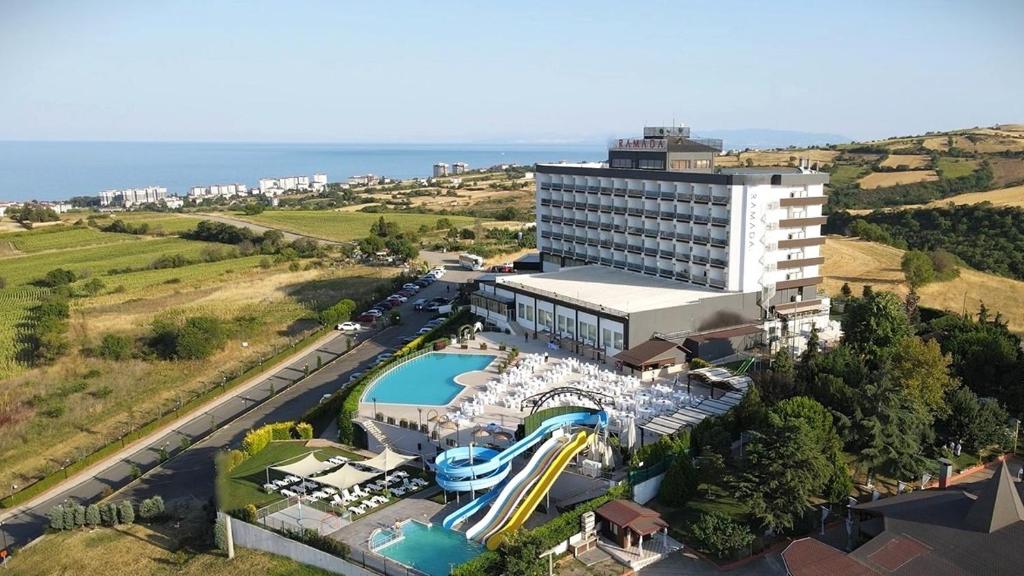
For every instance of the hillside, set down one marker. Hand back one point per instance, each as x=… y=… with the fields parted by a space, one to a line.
x=908 y=170
x=859 y=262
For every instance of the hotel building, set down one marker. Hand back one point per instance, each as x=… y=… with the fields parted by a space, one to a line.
x=734 y=255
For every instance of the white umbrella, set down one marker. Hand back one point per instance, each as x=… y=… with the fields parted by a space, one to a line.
x=629 y=432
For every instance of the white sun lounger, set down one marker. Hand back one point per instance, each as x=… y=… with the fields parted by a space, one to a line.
x=329 y=491
x=357 y=491
x=269 y=488
x=288 y=493
x=356 y=510
x=370 y=503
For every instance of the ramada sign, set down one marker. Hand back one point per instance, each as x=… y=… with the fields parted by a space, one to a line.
x=654 y=144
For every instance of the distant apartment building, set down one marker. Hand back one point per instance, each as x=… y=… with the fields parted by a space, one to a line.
x=129 y=197
x=677 y=251
x=217 y=190
x=174 y=202
x=460 y=168
x=440 y=169
x=363 y=180
x=277 y=186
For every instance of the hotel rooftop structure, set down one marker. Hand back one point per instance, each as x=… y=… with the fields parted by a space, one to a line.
x=655 y=243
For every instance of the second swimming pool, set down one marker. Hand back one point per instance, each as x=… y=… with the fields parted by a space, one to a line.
x=428 y=380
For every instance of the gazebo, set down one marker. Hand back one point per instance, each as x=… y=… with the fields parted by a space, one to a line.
x=628 y=523
x=650 y=356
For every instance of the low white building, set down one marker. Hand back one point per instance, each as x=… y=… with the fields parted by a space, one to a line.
x=276 y=186
x=217 y=190
x=174 y=202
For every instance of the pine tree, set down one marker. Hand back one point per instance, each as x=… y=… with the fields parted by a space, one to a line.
x=125 y=513
x=56 y=515
x=92 y=515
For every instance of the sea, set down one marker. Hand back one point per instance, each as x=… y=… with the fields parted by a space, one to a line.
x=61 y=170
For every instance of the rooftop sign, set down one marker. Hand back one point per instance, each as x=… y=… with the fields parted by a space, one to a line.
x=642 y=144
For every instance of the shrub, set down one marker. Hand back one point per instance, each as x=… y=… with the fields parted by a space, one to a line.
x=92 y=515
x=249 y=513
x=304 y=430
x=115 y=347
x=56 y=516
x=58 y=277
x=125 y=513
x=720 y=535
x=151 y=508
x=311 y=537
x=79 y=515
x=220 y=535
x=108 y=514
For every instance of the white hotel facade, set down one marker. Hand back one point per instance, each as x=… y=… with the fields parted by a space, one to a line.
x=729 y=252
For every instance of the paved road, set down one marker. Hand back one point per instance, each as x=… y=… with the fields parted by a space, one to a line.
x=190 y=472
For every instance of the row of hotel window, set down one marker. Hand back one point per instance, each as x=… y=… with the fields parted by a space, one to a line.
x=655 y=164
x=566 y=327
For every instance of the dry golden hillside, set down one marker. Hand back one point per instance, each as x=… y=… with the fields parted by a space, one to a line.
x=859 y=262
x=883 y=179
x=908 y=160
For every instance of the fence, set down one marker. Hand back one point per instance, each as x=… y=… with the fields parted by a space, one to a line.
x=246 y=535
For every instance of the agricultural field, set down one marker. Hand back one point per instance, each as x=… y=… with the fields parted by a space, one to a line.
x=160 y=223
x=1007 y=171
x=885 y=179
x=1012 y=196
x=955 y=167
x=775 y=158
x=81 y=402
x=844 y=174
x=343 y=226
x=859 y=262
x=911 y=161
x=56 y=238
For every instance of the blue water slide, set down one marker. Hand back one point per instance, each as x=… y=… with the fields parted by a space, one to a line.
x=458 y=470
x=513 y=491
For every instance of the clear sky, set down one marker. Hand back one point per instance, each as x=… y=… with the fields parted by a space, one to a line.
x=396 y=71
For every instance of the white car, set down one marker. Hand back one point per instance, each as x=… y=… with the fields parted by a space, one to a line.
x=348 y=326
x=383 y=358
x=355 y=376
x=437 y=272
x=374 y=313
x=411 y=286
x=398 y=297
x=425 y=330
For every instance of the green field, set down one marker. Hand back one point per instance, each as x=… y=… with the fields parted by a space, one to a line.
x=956 y=167
x=843 y=174
x=244 y=484
x=160 y=222
x=343 y=226
x=97 y=260
x=57 y=238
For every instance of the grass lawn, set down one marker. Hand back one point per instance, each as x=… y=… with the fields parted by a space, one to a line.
x=244 y=484
x=144 y=550
x=680 y=519
x=343 y=226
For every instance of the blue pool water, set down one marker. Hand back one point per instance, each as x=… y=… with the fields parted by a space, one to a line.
x=428 y=380
x=431 y=549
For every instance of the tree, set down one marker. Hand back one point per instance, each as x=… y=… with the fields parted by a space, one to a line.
x=890 y=430
x=108 y=514
x=125 y=513
x=923 y=370
x=680 y=482
x=199 y=337
x=346 y=430
x=58 y=277
x=875 y=323
x=92 y=515
x=712 y=466
x=917 y=268
x=79 y=515
x=975 y=423
x=115 y=347
x=253 y=208
x=846 y=291
x=720 y=535
x=521 y=554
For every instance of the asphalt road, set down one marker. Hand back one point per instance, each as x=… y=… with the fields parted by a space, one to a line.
x=190 y=472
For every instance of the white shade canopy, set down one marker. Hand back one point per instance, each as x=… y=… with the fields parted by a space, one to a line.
x=345 y=477
x=305 y=467
x=387 y=460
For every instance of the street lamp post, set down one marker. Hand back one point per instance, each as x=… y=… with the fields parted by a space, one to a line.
x=65 y=468
x=374 y=407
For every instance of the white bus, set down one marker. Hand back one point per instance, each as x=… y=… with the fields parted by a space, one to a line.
x=471 y=261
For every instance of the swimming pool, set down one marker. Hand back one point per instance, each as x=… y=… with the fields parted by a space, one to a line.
x=428 y=380
x=432 y=550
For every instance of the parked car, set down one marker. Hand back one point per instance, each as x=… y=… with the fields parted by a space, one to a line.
x=419 y=304
x=397 y=298
x=411 y=286
x=373 y=312
x=383 y=357
x=354 y=376
x=384 y=304
x=425 y=330
x=366 y=318
x=348 y=326
x=438 y=272
x=407 y=293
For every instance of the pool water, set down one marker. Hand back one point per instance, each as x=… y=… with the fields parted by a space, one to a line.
x=431 y=549
x=428 y=380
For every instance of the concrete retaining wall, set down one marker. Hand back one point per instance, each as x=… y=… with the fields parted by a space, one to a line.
x=646 y=491
x=248 y=536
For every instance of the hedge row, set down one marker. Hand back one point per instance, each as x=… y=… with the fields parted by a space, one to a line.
x=257 y=439
x=345 y=402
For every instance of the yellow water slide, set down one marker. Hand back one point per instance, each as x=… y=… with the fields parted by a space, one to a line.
x=529 y=504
